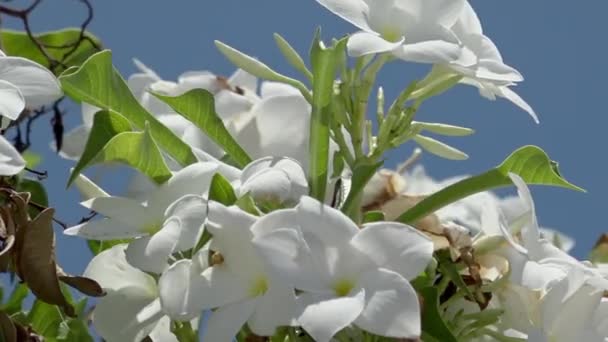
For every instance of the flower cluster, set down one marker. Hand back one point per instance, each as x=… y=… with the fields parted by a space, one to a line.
x=264 y=214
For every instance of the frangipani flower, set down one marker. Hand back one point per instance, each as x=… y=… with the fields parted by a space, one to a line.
x=489 y=73
x=237 y=282
x=568 y=311
x=274 y=180
x=414 y=30
x=170 y=219
x=346 y=275
x=535 y=262
x=131 y=309
x=24 y=83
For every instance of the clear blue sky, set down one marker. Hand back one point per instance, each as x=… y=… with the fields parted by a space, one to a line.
x=559 y=46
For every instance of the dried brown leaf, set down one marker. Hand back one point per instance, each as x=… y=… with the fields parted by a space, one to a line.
x=36 y=261
x=85 y=285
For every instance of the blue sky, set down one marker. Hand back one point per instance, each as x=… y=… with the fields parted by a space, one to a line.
x=559 y=47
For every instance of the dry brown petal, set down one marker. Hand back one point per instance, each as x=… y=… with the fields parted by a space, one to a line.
x=7 y=328
x=36 y=261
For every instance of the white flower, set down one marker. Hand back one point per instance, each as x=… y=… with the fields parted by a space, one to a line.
x=489 y=73
x=24 y=83
x=171 y=218
x=534 y=261
x=274 y=180
x=414 y=30
x=131 y=309
x=236 y=282
x=347 y=275
x=568 y=311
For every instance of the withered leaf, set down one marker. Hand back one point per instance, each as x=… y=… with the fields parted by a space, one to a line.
x=36 y=261
x=85 y=285
x=7 y=328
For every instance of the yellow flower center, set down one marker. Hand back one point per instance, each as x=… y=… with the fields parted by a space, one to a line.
x=391 y=34
x=260 y=286
x=343 y=287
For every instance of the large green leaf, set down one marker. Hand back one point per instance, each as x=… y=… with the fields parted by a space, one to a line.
x=198 y=106
x=15 y=301
x=529 y=162
x=138 y=150
x=97 y=82
x=324 y=63
x=17 y=43
x=106 y=125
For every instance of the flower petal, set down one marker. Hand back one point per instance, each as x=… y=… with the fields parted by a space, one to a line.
x=431 y=51
x=74 y=142
x=512 y=96
x=115 y=316
x=179 y=287
x=191 y=210
x=392 y=307
x=395 y=246
x=277 y=307
x=37 y=84
x=112 y=271
x=151 y=254
x=104 y=229
x=230 y=227
x=277 y=129
x=330 y=225
x=191 y=180
x=11 y=162
x=353 y=11
x=365 y=43
x=12 y=102
x=225 y=322
x=325 y=315
x=124 y=210
x=289 y=259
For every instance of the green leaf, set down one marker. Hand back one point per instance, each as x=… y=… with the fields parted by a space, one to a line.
x=106 y=125
x=198 y=106
x=18 y=43
x=323 y=61
x=432 y=322
x=97 y=247
x=46 y=319
x=15 y=301
x=221 y=191
x=32 y=160
x=292 y=56
x=36 y=189
x=97 y=82
x=529 y=162
x=138 y=150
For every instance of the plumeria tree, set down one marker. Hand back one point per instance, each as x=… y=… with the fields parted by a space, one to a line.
x=260 y=209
